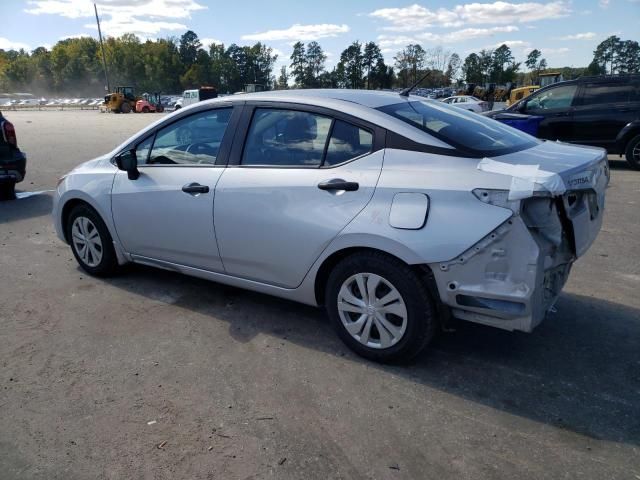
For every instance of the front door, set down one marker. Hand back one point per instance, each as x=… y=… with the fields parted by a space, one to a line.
x=301 y=177
x=167 y=212
x=555 y=105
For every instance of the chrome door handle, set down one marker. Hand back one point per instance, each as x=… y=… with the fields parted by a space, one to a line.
x=195 y=188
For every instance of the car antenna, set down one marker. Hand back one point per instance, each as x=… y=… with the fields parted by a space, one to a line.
x=407 y=91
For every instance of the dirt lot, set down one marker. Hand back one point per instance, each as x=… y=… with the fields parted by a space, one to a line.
x=96 y=374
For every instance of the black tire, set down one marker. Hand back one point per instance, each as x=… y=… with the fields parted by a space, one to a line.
x=145 y=109
x=7 y=190
x=421 y=322
x=177 y=107
x=633 y=158
x=159 y=109
x=125 y=107
x=108 y=264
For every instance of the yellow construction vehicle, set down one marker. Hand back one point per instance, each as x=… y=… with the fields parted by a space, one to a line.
x=121 y=101
x=544 y=79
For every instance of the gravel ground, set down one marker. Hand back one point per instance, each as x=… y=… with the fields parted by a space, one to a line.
x=153 y=375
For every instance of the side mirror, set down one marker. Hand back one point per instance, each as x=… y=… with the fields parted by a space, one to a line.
x=522 y=107
x=128 y=162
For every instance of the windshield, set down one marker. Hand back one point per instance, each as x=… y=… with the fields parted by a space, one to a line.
x=466 y=131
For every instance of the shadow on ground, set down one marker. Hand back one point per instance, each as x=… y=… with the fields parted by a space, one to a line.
x=24 y=208
x=579 y=370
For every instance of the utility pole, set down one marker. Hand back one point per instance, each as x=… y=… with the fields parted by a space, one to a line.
x=104 y=58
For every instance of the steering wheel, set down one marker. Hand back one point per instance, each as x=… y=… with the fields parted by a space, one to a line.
x=201 y=148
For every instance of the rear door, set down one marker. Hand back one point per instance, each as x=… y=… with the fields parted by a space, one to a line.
x=603 y=109
x=555 y=105
x=296 y=178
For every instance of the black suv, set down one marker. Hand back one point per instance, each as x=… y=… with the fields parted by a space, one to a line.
x=13 y=162
x=602 y=111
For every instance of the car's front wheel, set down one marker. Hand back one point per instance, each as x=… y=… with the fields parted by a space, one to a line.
x=91 y=242
x=380 y=307
x=633 y=153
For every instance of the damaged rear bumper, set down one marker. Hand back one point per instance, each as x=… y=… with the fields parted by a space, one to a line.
x=512 y=277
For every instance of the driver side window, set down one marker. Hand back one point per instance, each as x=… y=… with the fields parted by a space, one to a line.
x=193 y=140
x=558 y=97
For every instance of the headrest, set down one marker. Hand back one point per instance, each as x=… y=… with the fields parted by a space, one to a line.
x=301 y=127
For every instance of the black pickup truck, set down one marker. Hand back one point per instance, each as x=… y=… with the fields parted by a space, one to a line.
x=13 y=162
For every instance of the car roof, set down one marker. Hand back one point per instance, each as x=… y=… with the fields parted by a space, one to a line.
x=366 y=98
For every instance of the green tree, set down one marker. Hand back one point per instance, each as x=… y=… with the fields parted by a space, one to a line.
x=314 y=64
x=629 y=57
x=472 y=69
x=299 y=64
x=370 y=61
x=189 y=46
x=352 y=61
x=409 y=62
x=452 y=68
x=283 y=79
x=607 y=54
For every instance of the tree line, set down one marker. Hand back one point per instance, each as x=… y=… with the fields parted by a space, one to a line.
x=74 y=66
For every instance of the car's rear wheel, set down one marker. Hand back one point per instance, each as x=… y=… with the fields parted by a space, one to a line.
x=380 y=307
x=7 y=190
x=632 y=153
x=91 y=242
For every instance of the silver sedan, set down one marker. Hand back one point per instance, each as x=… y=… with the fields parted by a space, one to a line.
x=393 y=212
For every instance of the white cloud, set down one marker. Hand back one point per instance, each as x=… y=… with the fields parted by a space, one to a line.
x=554 y=51
x=579 y=36
x=6 y=44
x=299 y=32
x=387 y=41
x=141 y=17
x=416 y=17
x=604 y=3
x=77 y=35
x=513 y=44
x=208 y=41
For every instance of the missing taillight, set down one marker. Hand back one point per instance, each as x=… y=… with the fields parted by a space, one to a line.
x=9 y=133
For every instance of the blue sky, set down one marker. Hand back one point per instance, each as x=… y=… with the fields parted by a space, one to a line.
x=566 y=31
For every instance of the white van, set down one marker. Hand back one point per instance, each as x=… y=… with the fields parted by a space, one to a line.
x=196 y=95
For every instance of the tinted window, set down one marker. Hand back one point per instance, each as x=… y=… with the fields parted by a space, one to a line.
x=553 y=98
x=193 y=140
x=347 y=141
x=286 y=138
x=598 y=93
x=464 y=130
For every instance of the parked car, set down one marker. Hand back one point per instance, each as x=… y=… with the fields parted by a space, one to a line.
x=13 y=161
x=466 y=217
x=602 y=111
x=190 y=97
x=467 y=102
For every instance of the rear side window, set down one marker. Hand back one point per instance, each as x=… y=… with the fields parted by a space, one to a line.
x=286 y=138
x=467 y=131
x=595 y=94
x=347 y=141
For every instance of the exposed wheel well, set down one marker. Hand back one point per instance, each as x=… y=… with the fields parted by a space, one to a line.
x=66 y=211
x=332 y=260
x=623 y=143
